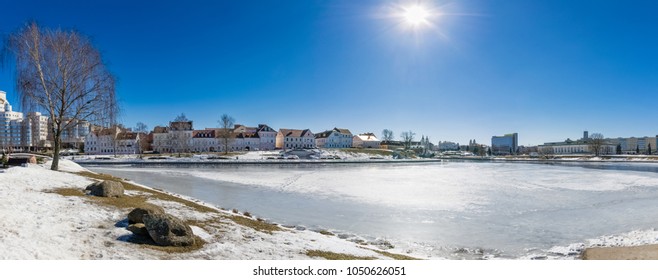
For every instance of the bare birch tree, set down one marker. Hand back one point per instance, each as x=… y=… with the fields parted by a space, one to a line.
x=62 y=73
x=226 y=123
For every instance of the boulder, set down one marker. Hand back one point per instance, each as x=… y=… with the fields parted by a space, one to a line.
x=106 y=189
x=137 y=214
x=167 y=230
x=138 y=229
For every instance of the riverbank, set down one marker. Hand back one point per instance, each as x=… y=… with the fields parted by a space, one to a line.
x=46 y=215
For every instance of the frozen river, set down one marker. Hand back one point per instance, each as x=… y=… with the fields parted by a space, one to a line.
x=438 y=210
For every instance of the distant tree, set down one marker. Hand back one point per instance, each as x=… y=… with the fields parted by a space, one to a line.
x=226 y=123
x=476 y=151
x=459 y=148
x=619 y=149
x=62 y=73
x=649 y=149
x=387 y=135
x=407 y=138
x=489 y=151
x=141 y=127
x=181 y=118
x=596 y=142
x=468 y=148
x=637 y=149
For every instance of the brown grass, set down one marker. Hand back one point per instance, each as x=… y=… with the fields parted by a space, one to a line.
x=335 y=256
x=326 y=232
x=394 y=256
x=67 y=191
x=255 y=224
x=148 y=243
x=153 y=193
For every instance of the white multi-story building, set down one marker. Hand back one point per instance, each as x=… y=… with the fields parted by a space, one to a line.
x=112 y=141
x=36 y=134
x=335 y=138
x=295 y=138
x=176 y=138
x=366 y=140
x=205 y=141
x=267 y=137
x=11 y=125
x=74 y=133
x=448 y=146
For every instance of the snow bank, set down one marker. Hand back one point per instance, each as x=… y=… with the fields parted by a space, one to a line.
x=66 y=166
x=39 y=224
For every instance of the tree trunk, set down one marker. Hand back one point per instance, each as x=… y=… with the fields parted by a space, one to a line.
x=56 y=148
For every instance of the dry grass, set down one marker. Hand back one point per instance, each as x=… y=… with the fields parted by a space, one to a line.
x=67 y=191
x=152 y=193
x=255 y=224
x=375 y=152
x=394 y=256
x=148 y=243
x=326 y=232
x=335 y=256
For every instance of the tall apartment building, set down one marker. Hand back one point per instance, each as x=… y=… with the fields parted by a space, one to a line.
x=19 y=132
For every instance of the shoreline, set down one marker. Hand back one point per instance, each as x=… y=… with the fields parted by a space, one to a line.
x=68 y=224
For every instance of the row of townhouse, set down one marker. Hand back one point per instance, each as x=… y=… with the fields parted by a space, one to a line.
x=181 y=137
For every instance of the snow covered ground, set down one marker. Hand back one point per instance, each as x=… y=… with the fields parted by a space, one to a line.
x=40 y=224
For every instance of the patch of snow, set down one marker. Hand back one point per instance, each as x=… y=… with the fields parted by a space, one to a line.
x=66 y=166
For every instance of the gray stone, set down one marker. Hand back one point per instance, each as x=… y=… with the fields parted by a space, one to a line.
x=138 y=229
x=136 y=215
x=106 y=189
x=167 y=230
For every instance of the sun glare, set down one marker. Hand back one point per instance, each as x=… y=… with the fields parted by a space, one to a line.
x=416 y=15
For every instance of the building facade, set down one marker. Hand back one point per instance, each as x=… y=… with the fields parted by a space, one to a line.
x=295 y=139
x=507 y=144
x=366 y=140
x=112 y=141
x=335 y=138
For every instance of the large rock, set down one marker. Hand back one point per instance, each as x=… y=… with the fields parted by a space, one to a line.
x=136 y=215
x=167 y=230
x=106 y=189
x=138 y=229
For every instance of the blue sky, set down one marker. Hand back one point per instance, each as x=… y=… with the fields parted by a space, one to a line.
x=545 y=69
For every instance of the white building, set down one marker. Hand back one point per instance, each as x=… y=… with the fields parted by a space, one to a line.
x=204 y=141
x=335 y=138
x=11 y=125
x=448 y=146
x=161 y=141
x=295 y=139
x=570 y=147
x=267 y=137
x=74 y=133
x=112 y=141
x=176 y=138
x=366 y=140
x=36 y=136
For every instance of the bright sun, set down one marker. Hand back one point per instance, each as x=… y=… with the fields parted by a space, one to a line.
x=416 y=15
